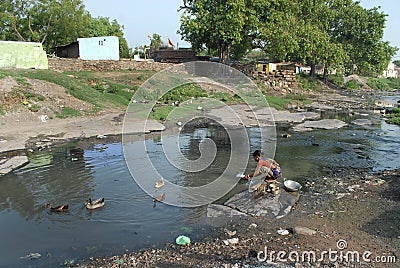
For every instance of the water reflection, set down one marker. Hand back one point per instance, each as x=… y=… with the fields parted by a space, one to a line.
x=73 y=173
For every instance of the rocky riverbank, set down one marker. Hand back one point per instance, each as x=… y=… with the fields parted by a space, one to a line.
x=346 y=211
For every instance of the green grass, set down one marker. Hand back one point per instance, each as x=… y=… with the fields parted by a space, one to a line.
x=378 y=83
x=336 y=79
x=394 y=116
x=226 y=97
x=161 y=113
x=68 y=112
x=384 y=83
x=307 y=83
x=34 y=107
x=183 y=93
x=352 y=85
x=2 y=111
x=117 y=95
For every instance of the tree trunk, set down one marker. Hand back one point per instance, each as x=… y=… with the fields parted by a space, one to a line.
x=312 y=72
x=224 y=52
x=325 y=75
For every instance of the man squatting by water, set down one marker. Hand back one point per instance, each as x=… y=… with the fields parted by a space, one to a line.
x=265 y=165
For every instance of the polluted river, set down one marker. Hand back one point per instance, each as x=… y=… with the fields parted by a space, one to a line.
x=129 y=221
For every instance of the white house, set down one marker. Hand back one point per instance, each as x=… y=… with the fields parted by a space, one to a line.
x=391 y=71
x=99 y=48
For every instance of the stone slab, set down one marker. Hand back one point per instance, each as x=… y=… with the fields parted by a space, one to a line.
x=9 y=164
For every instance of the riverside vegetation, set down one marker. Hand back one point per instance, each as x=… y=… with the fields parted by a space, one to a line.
x=113 y=91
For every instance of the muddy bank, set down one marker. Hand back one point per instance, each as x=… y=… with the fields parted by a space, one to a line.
x=356 y=207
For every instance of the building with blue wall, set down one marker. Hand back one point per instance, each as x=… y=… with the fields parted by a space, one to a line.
x=99 y=48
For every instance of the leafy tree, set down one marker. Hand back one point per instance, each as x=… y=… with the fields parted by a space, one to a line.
x=360 y=31
x=54 y=23
x=103 y=26
x=49 y=22
x=156 y=42
x=397 y=63
x=217 y=24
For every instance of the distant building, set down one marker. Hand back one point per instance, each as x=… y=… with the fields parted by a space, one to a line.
x=391 y=71
x=68 y=51
x=176 y=55
x=93 y=48
x=23 y=55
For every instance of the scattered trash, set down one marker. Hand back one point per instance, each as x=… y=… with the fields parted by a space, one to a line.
x=229 y=233
x=231 y=241
x=119 y=261
x=69 y=262
x=32 y=256
x=341 y=195
x=240 y=175
x=74 y=159
x=182 y=240
x=43 y=118
x=101 y=136
x=253 y=226
x=199 y=108
x=283 y=232
x=179 y=123
x=378 y=182
x=159 y=198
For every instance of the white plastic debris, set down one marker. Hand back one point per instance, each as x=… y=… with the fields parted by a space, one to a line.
x=43 y=118
x=283 y=232
x=32 y=256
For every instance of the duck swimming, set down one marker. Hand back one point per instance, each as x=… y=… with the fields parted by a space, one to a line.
x=99 y=203
x=60 y=208
x=159 y=198
x=159 y=183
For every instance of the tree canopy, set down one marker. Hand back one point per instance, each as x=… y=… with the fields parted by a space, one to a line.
x=54 y=23
x=338 y=34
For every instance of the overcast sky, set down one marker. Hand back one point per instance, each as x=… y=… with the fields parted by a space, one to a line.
x=143 y=18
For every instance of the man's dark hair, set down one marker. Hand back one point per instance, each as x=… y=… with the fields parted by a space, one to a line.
x=257 y=153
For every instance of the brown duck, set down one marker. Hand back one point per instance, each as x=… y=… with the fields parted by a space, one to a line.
x=60 y=208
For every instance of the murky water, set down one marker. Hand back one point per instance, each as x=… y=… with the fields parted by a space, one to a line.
x=73 y=173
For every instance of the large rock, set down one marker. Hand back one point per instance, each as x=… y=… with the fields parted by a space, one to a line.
x=304 y=230
x=320 y=124
x=9 y=164
x=364 y=122
x=263 y=205
x=285 y=116
x=215 y=211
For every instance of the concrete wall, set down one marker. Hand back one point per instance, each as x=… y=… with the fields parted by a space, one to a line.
x=99 y=48
x=23 y=55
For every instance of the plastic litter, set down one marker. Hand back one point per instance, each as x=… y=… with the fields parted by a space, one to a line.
x=43 y=118
x=253 y=226
x=231 y=241
x=240 y=175
x=182 y=240
x=283 y=232
x=101 y=136
x=32 y=256
x=229 y=233
x=119 y=261
x=69 y=262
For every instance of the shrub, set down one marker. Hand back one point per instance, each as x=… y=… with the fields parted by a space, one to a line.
x=376 y=83
x=352 y=84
